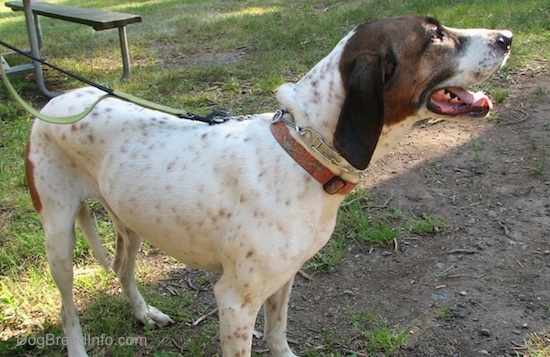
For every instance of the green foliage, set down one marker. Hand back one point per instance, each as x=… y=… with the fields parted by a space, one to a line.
x=377 y=335
x=445 y=311
x=335 y=250
x=359 y=221
x=536 y=345
x=380 y=232
x=383 y=338
x=380 y=337
x=500 y=95
x=427 y=224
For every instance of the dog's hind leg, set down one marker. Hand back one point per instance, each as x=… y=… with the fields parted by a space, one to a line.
x=275 y=313
x=88 y=228
x=57 y=197
x=127 y=247
x=60 y=243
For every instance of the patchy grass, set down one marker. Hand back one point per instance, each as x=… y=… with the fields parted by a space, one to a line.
x=536 y=345
x=426 y=224
x=385 y=339
x=359 y=222
x=369 y=330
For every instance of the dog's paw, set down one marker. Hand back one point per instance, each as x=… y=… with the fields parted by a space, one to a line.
x=155 y=317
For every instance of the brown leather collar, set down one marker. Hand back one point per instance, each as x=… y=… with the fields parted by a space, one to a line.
x=332 y=184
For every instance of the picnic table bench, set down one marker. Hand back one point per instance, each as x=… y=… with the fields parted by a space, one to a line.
x=99 y=20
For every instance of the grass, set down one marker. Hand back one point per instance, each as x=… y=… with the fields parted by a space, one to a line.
x=445 y=311
x=383 y=338
x=361 y=223
x=536 y=345
x=379 y=335
x=368 y=330
x=202 y=55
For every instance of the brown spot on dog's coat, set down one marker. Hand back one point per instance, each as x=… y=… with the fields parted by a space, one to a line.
x=247 y=299
x=273 y=305
x=29 y=172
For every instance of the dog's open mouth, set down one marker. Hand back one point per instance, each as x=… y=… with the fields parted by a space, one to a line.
x=455 y=101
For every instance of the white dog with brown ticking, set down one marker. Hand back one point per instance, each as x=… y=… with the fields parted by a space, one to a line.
x=251 y=199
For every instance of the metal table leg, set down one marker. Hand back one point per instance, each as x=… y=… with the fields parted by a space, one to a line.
x=35 y=49
x=125 y=53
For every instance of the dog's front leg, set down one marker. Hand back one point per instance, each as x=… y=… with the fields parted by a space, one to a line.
x=275 y=312
x=238 y=306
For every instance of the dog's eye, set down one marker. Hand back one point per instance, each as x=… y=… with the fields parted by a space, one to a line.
x=438 y=35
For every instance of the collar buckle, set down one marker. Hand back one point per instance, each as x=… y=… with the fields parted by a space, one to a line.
x=314 y=140
x=331 y=183
x=334 y=185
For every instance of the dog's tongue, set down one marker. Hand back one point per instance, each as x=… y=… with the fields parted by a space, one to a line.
x=458 y=101
x=478 y=99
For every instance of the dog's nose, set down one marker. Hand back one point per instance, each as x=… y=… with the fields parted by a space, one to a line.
x=504 y=40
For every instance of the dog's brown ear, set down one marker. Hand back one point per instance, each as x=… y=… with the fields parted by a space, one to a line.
x=362 y=115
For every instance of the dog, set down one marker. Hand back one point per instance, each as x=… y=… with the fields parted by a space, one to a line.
x=251 y=199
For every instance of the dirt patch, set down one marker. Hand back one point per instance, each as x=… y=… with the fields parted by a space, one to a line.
x=479 y=286
x=217 y=59
x=174 y=59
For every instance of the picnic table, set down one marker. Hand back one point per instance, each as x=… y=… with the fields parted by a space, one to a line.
x=98 y=19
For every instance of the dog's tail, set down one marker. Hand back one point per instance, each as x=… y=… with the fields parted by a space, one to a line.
x=86 y=223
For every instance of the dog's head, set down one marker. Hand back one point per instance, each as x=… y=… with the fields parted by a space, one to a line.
x=411 y=67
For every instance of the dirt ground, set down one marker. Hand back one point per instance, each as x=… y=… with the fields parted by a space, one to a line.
x=480 y=285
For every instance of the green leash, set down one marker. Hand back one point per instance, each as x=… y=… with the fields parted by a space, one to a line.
x=48 y=118
x=216 y=117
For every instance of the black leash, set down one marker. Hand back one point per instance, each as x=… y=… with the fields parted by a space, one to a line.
x=215 y=117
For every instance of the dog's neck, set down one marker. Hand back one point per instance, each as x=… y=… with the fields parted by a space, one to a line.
x=316 y=100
